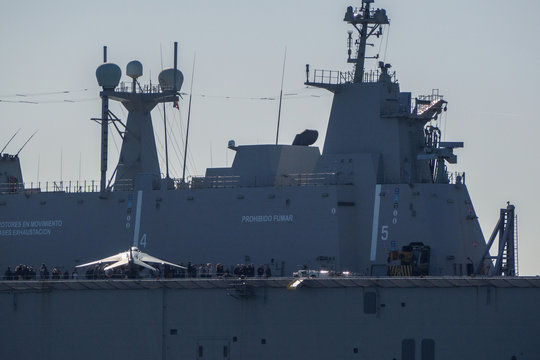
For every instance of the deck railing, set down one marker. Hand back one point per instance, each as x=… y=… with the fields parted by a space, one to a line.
x=199 y=182
x=51 y=186
x=334 y=77
x=192 y=182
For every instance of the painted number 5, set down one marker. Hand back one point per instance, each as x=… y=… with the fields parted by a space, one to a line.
x=384 y=232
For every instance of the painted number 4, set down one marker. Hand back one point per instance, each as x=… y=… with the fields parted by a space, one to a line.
x=142 y=242
x=384 y=232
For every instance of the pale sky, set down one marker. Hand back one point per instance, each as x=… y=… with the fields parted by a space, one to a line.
x=481 y=54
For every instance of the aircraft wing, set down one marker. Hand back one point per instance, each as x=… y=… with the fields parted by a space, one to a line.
x=140 y=263
x=113 y=258
x=117 y=264
x=148 y=258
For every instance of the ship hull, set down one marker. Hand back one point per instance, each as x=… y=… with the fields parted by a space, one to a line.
x=335 y=318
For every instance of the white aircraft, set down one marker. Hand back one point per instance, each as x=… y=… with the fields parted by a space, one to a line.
x=130 y=258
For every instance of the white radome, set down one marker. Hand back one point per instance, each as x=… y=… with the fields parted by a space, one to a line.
x=108 y=75
x=134 y=69
x=166 y=79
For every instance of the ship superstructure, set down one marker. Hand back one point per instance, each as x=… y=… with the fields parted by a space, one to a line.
x=392 y=260
x=379 y=187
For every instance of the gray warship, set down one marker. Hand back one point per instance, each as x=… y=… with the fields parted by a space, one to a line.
x=388 y=255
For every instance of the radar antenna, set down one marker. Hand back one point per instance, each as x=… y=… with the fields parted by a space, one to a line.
x=368 y=22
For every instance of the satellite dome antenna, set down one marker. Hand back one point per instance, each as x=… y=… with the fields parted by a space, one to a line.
x=171 y=79
x=134 y=70
x=108 y=74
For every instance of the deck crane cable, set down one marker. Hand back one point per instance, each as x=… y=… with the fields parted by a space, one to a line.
x=188 y=119
x=174 y=143
x=171 y=132
x=48 y=93
x=386 y=45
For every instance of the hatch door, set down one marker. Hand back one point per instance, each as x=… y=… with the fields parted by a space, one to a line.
x=213 y=349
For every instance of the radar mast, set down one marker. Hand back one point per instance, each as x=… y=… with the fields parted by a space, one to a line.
x=138 y=155
x=368 y=22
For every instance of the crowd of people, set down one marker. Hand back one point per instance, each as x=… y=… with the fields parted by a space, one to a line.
x=206 y=270
x=27 y=272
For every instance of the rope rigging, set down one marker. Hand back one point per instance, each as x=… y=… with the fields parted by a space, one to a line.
x=30 y=98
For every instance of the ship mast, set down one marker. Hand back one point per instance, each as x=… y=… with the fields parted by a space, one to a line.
x=104 y=133
x=138 y=155
x=368 y=22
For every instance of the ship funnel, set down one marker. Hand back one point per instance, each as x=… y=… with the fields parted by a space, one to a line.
x=134 y=69
x=108 y=75
x=167 y=77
